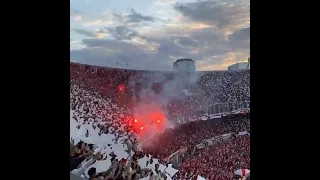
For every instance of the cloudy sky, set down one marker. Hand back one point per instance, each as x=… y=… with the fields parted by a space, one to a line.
x=152 y=34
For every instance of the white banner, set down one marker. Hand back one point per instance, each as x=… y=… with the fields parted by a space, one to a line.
x=243 y=133
x=200 y=178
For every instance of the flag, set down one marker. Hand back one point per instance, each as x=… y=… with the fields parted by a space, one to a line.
x=242 y=172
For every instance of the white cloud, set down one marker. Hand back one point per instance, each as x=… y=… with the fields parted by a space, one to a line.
x=165 y=2
x=76 y=45
x=97 y=22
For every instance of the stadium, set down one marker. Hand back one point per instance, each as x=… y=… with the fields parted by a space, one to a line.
x=140 y=124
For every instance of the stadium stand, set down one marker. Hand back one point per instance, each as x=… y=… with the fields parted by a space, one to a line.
x=104 y=144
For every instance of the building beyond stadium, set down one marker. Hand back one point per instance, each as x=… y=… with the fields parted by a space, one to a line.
x=238 y=66
x=184 y=65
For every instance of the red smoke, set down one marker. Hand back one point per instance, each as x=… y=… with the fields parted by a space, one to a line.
x=149 y=119
x=121 y=87
x=150 y=122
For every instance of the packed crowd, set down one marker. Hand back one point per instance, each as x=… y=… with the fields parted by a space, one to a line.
x=218 y=161
x=90 y=109
x=93 y=100
x=82 y=156
x=193 y=133
x=218 y=87
x=226 y=86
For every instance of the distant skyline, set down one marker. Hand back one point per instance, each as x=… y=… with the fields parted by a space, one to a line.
x=152 y=34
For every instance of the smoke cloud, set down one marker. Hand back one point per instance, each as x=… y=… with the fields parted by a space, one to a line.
x=153 y=93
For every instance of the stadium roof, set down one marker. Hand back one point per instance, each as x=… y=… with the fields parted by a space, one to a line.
x=184 y=60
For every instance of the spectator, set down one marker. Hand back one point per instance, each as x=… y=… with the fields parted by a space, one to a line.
x=79 y=171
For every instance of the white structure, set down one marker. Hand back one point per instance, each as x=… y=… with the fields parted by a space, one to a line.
x=238 y=66
x=75 y=177
x=184 y=65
